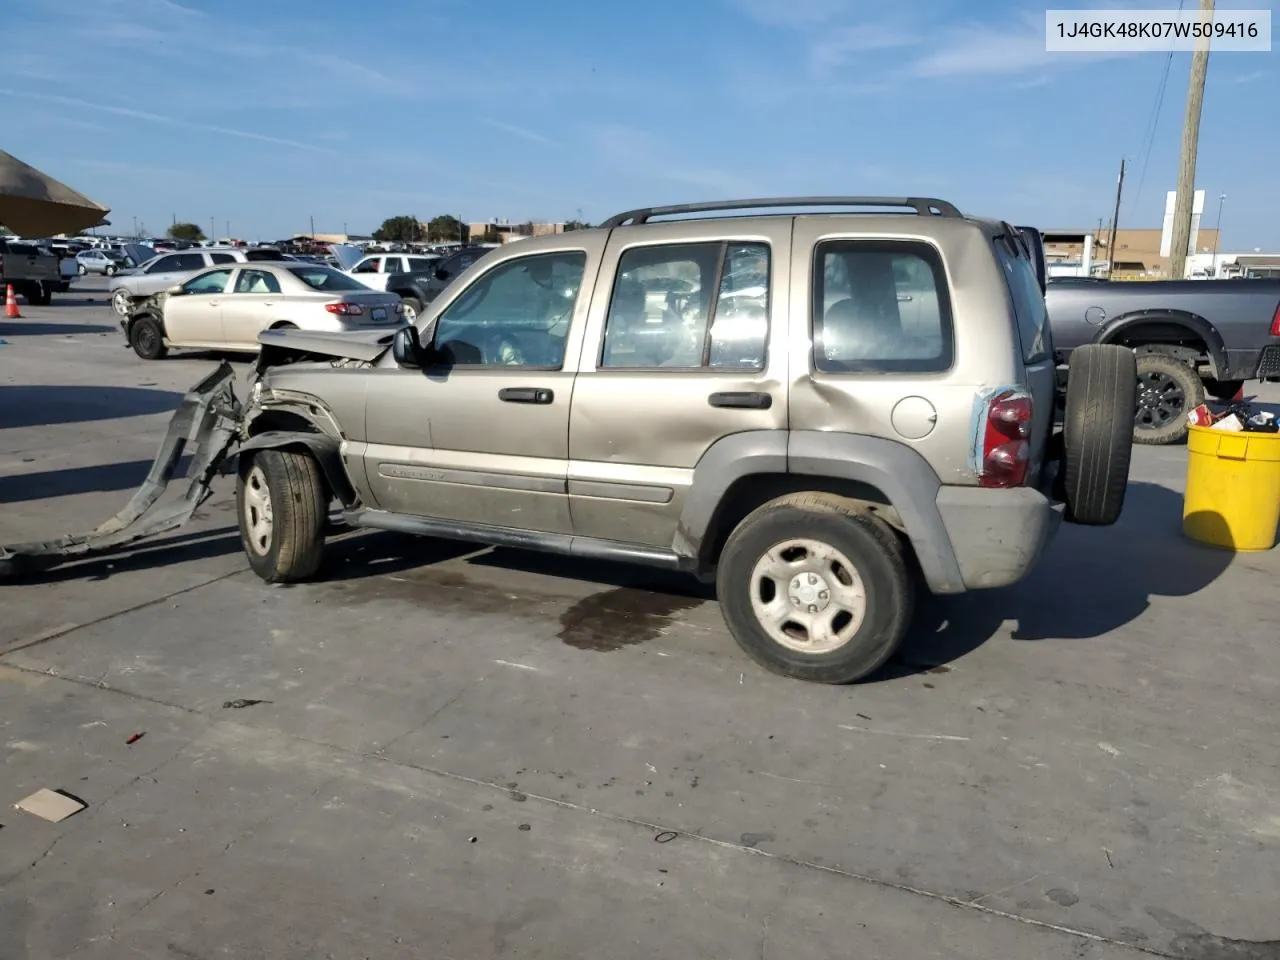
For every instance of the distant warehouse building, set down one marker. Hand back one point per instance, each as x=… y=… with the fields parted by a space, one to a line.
x=1137 y=254
x=504 y=231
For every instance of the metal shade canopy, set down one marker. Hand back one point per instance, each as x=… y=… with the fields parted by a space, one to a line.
x=33 y=204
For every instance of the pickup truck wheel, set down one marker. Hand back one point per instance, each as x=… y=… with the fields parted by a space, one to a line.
x=283 y=509
x=1098 y=431
x=1167 y=391
x=810 y=588
x=147 y=338
x=412 y=308
x=121 y=302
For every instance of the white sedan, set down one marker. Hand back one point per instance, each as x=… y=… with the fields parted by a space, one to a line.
x=226 y=308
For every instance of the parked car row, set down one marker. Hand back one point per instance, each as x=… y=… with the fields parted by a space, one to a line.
x=164 y=271
x=227 y=307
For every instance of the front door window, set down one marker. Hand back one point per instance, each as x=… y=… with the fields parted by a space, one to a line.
x=516 y=315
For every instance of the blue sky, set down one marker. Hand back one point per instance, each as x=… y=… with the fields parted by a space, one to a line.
x=270 y=113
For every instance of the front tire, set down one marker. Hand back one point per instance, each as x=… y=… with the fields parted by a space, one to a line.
x=121 y=302
x=283 y=508
x=146 y=336
x=1168 y=390
x=813 y=589
x=80 y=269
x=109 y=271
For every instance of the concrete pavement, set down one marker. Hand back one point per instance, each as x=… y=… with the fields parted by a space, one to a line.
x=467 y=753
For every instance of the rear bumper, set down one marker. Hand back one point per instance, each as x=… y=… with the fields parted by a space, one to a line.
x=997 y=535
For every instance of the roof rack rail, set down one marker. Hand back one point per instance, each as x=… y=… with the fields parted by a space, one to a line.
x=924 y=206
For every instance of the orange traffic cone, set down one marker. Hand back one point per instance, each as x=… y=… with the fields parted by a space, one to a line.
x=11 y=310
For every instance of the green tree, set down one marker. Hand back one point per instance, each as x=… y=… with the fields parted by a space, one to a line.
x=402 y=229
x=186 y=231
x=576 y=225
x=446 y=227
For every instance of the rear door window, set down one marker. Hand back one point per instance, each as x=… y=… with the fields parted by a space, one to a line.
x=189 y=261
x=880 y=306
x=1028 y=304
x=222 y=258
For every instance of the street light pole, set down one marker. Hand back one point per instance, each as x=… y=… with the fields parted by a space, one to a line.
x=1217 y=235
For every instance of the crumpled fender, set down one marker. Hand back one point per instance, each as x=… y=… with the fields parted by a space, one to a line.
x=325 y=449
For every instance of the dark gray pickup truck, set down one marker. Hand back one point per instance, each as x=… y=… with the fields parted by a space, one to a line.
x=1194 y=338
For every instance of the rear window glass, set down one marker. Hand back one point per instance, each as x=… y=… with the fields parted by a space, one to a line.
x=260 y=254
x=222 y=258
x=1028 y=304
x=880 y=306
x=322 y=278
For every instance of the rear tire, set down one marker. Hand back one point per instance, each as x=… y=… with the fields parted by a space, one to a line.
x=146 y=336
x=110 y=270
x=80 y=270
x=283 y=509
x=812 y=589
x=1168 y=390
x=412 y=309
x=1098 y=432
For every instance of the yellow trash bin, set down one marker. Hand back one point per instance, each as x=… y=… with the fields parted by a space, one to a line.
x=1233 y=489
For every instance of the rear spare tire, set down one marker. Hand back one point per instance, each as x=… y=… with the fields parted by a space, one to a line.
x=1168 y=390
x=1097 y=432
x=812 y=588
x=283 y=509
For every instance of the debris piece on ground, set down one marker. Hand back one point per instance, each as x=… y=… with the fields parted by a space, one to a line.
x=135 y=737
x=666 y=836
x=525 y=827
x=51 y=805
x=241 y=704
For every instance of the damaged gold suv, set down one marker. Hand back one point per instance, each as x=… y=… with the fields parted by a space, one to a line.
x=818 y=403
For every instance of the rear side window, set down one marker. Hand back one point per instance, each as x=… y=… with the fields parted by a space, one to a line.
x=189 y=261
x=1028 y=304
x=880 y=306
x=689 y=306
x=420 y=264
x=222 y=258
x=323 y=278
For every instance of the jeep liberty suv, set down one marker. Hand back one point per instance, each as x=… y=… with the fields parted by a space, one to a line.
x=816 y=410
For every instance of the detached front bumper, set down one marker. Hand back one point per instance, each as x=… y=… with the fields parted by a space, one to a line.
x=206 y=425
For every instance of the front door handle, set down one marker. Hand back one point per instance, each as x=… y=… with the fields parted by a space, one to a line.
x=743 y=401
x=539 y=395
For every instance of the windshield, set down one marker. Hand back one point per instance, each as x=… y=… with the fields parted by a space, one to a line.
x=322 y=278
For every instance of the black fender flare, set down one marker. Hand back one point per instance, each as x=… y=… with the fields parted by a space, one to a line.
x=1203 y=328
x=326 y=451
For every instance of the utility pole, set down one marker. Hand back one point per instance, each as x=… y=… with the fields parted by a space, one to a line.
x=1115 y=219
x=313 y=228
x=1182 y=206
x=1217 y=234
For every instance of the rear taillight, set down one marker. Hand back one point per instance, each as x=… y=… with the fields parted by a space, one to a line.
x=345 y=309
x=1275 y=322
x=1006 y=443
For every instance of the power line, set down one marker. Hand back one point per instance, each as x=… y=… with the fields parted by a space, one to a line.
x=1153 y=124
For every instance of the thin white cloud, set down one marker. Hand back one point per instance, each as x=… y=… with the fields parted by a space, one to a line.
x=522 y=132
x=837 y=46
x=993 y=51
x=168 y=121
x=1251 y=77
x=640 y=154
x=793 y=13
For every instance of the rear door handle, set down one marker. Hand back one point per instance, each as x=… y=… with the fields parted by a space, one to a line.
x=744 y=401
x=539 y=395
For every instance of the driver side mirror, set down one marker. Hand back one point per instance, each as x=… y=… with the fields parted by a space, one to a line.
x=176 y=290
x=407 y=348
